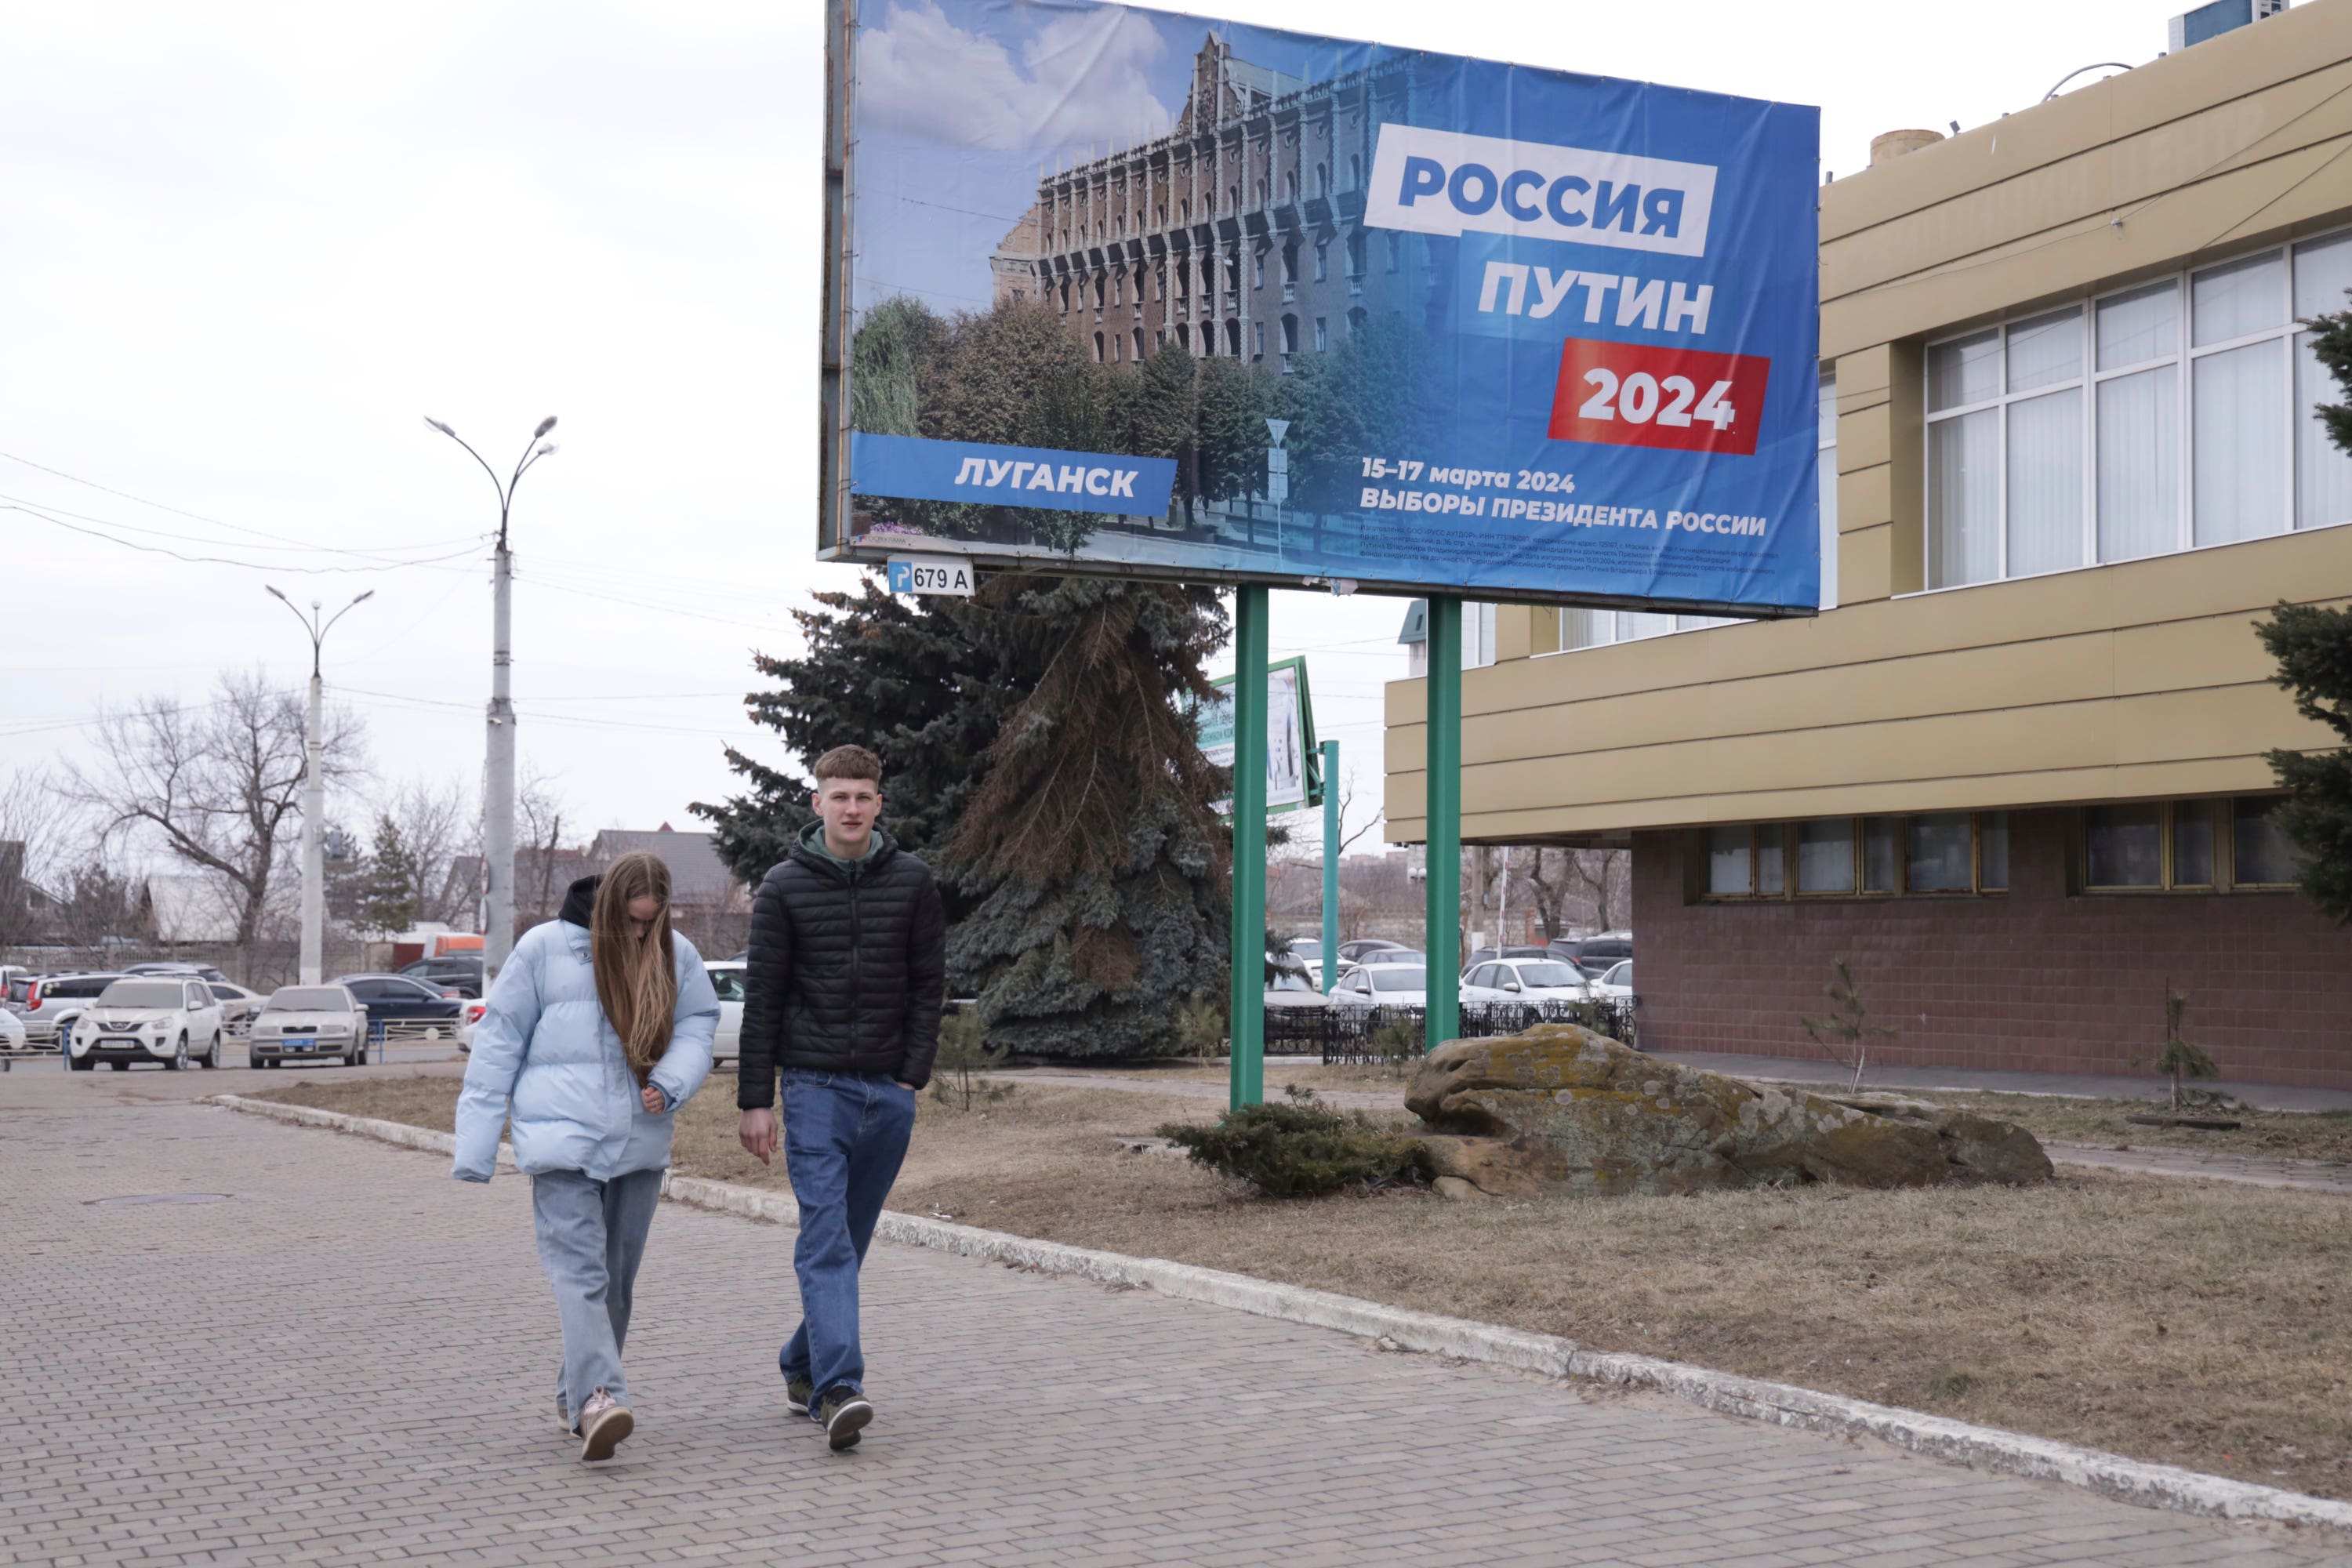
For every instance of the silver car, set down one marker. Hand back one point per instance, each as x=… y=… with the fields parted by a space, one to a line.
x=308 y=1024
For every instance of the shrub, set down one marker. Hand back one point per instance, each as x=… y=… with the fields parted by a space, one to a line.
x=1299 y=1150
x=1201 y=1027
x=962 y=1057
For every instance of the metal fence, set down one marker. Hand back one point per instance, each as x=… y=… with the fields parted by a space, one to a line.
x=1361 y=1035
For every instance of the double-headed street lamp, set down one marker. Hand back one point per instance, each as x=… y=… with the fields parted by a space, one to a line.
x=498 y=772
x=314 y=792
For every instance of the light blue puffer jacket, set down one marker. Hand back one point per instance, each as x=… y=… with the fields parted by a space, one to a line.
x=544 y=1044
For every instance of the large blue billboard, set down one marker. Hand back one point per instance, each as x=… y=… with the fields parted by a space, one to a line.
x=1123 y=290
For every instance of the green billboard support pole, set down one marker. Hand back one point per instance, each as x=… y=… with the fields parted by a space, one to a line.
x=1330 y=865
x=1441 y=937
x=1246 y=1019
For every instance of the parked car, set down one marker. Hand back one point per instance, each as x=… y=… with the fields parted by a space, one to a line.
x=468 y=1021
x=396 y=1003
x=204 y=972
x=308 y=1024
x=1385 y=955
x=727 y=979
x=1616 y=984
x=1382 y=985
x=12 y=1032
x=238 y=1005
x=1482 y=955
x=50 y=1002
x=1290 y=984
x=1352 y=951
x=1524 y=980
x=1594 y=954
x=458 y=972
x=148 y=1018
x=1308 y=952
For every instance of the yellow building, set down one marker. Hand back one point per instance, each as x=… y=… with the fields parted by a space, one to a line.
x=2015 y=769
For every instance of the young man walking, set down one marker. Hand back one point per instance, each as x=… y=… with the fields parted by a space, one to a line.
x=847 y=974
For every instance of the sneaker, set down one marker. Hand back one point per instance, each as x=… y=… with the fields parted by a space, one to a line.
x=844 y=1413
x=563 y=1421
x=799 y=1394
x=604 y=1422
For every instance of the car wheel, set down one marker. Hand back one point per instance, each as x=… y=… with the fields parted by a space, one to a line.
x=252 y=1062
x=179 y=1058
x=211 y=1057
x=81 y=1064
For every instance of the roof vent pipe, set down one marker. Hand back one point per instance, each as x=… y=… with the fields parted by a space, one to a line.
x=1892 y=144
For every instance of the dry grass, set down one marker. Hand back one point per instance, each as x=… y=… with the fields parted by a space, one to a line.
x=2191 y=1323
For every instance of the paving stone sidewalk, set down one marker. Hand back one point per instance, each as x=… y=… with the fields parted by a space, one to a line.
x=347 y=1360
x=2252 y=1170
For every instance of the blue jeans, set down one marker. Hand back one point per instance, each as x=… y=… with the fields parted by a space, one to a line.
x=844 y=1137
x=591 y=1237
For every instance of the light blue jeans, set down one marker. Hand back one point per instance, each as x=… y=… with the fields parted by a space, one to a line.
x=591 y=1237
x=844 y=1137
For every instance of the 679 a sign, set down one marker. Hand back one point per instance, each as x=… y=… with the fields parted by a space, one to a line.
x=1638 y=394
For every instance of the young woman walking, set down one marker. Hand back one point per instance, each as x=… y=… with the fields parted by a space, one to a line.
x=599 y=1027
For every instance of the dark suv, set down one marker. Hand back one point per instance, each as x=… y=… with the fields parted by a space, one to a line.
x=458 y=972
x=1593 y=955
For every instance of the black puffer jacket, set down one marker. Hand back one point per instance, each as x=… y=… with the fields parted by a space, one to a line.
x=847 y=972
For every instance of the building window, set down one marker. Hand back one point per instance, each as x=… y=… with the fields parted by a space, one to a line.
x=1257 y=270
x=2161 y=418
x=2153 y=846
x=1845 y=857
x=1322 y=260
x=1356 y=254
x=1826 y=463
x=1233 y=338
x=1289 y=263
x=1322 y=335
x=1477 y=636
x=1257 y=339
x=1396 y=251
x=1119 y=287
x=1356 y=319
x=1289 y=334
x=1139 y=343
x=1098 y=347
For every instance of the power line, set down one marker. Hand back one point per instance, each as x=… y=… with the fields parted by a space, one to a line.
x=6 y=505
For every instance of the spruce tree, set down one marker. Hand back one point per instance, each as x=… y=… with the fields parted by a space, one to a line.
x=2314 y=650
x=1098 y=869
x=905 y=679
x=388 y=886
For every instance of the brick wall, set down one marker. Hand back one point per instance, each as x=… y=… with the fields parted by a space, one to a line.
x=2036 y=980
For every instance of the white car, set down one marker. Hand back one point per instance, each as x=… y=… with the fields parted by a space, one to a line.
x=727 y=979
x=12 y=1032
x=150 y=1019
x=1616 y=984
x=1524 y=980
x=307 y=1024
x=1382 y=985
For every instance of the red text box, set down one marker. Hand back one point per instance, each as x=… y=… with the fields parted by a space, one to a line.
x=1641 y=395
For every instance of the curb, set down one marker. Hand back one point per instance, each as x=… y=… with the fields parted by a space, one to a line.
x=1782 y=1405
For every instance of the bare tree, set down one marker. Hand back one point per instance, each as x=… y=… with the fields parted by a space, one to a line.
x=220 y=785
x=37 y=827
x=543 y=873
x=434 y=824
x=1569 y=884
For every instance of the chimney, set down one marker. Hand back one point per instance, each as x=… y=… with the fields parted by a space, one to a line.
x=1892 y=144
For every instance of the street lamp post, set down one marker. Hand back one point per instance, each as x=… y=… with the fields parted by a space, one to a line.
x=314 y=795
x=498 y=772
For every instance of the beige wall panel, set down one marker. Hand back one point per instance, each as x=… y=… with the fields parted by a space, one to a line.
x=1864 y=376
x=1512 y=630
x=2158 y=94
x=1865 y=497
x=2080 y=786
x=2170 y=162
x=1866 y=563
x=2282 y=193
x=1863 y=437
x=2183 y=656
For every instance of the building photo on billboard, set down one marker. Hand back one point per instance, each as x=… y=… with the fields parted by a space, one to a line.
x=1131 y=292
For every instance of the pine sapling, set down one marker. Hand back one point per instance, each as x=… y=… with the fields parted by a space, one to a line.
x=2179 y=1060
x=1846 y=1032
x=964 y=1058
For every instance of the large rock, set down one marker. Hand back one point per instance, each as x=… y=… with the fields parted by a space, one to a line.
x=1561 y=1109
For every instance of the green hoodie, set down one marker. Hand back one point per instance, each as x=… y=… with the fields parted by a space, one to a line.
x=812 y=839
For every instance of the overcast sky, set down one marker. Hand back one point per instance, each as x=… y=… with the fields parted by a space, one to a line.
x=246 y=247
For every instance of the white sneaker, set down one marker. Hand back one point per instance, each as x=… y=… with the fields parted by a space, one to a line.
x=604 y=1422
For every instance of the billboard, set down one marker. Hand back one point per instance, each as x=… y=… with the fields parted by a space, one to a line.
x=1293 y=768
x=1121 y=290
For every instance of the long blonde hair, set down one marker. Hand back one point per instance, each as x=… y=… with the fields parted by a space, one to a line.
x=637 y=978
